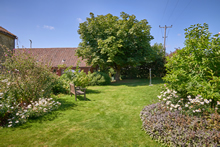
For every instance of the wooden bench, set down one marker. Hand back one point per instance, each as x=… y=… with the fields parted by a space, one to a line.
x=77 y=91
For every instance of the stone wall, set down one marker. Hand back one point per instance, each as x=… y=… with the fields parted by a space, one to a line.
x=8 y=41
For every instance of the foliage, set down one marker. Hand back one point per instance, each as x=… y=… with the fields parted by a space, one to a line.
x=13 y=113
x=81 y=78
x=99 y=78
x=25 y=79
x=175 y=129
x=22 y=82
x=60 y=86
x=108 y=41
x=190 y=106
x=195 y=69
x=142 y=71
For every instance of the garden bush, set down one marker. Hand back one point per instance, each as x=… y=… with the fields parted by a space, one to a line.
x=99 y=78
x=25 y=85
x=195 y=69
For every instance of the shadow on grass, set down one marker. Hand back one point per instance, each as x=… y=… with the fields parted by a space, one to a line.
x=90 y=91
x=81 y=98
x=138 y=82
x=65 y=105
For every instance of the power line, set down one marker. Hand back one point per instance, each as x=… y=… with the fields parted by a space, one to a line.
x=164 y=11
x=173 y=10
x=181 y=12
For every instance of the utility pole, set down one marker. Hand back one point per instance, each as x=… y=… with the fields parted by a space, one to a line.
x=30 y=43
x=164 y=45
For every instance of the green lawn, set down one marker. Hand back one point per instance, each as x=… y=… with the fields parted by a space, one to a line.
x=109 y=117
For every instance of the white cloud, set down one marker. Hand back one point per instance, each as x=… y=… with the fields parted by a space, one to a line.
x=178 y=34
x=48 y=27
x=79 y=20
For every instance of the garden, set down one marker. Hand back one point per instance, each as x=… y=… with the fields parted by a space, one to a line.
x=181 y=109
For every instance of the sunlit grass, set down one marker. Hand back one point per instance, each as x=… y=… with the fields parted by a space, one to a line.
x=109 y=117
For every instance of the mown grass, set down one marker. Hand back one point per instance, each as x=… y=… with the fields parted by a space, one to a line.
x=109 y=117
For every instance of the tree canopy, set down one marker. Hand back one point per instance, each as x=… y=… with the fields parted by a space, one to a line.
x=115 y=42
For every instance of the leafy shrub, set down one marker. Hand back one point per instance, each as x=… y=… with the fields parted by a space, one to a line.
x=22 y=82
x=60 y=86
x=195 y=69
x=24 y=78
x=79 y=78
x=191 y=105
x=176 y=129
x=99 y=78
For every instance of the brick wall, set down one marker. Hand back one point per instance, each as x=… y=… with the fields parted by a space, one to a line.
x=60 y=71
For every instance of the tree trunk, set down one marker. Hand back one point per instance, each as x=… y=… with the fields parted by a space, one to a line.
x=118 y=74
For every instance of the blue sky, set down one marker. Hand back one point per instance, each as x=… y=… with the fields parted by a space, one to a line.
x=54 y=23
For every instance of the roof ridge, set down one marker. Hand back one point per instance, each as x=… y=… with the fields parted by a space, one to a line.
x=3 y=30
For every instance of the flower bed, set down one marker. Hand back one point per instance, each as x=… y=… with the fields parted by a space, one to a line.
x=13 y=113
x=176 y=129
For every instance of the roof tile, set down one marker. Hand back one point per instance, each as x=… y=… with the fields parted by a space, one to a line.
x=57 y=56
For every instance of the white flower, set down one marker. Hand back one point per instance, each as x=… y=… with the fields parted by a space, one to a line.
x=1 y=94
x=179 y=108
x=194 y=111
x=171 y=108
x=159 y=97
x=218 y=102
x=186 y=105
x=206 y=101
x=45 y=109
x=16 y=121
x=10 y=122
x=9 y=125
x=202 y=103
x=189 y=97
x=172 y=105
x=174 y=91
x=17 y=113
x=12 y=107
x=164 y=99
x=168 y=102
x=210 y=100
x=198 y=110
x=5 y=80
x=1 y=105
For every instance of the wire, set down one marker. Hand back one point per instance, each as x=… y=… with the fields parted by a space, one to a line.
x=173 y=10
x=164 y=11
x=181 y=12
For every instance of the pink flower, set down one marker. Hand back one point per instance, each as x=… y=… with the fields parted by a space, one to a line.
x=6 y=55
x=14 y=49
x=219 y=33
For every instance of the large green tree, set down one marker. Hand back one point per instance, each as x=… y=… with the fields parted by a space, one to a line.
x=110 y=41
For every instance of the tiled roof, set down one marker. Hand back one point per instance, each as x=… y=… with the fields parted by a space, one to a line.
x=3 y=30
x=57 y=56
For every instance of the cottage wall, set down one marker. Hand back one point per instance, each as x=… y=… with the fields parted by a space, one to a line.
x=8 y=41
